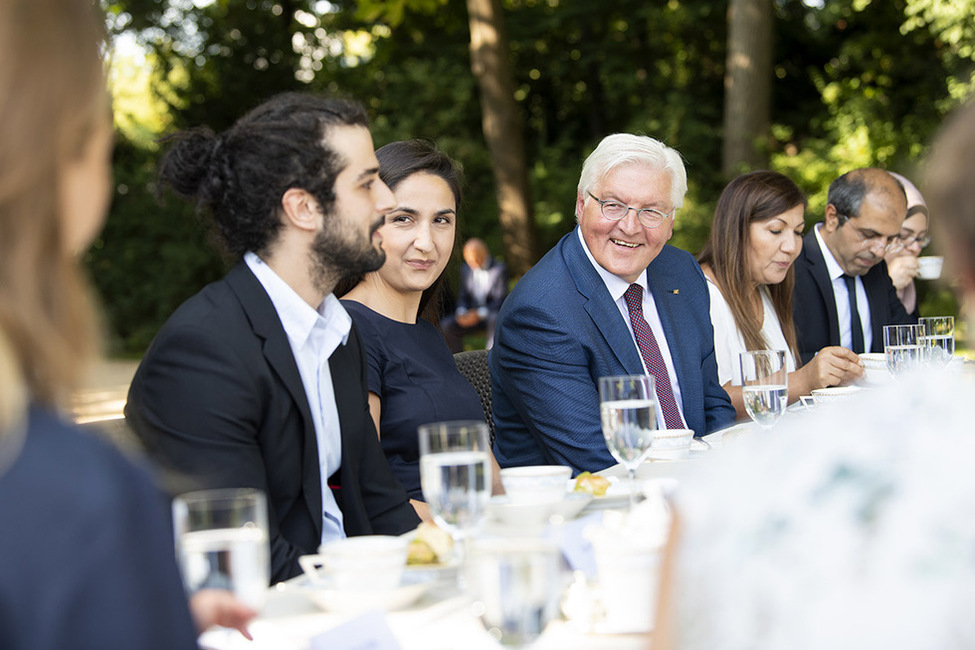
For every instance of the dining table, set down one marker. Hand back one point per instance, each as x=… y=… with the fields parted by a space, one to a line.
x=443 y=618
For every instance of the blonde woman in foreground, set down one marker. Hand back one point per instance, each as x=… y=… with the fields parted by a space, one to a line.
x=86 y=551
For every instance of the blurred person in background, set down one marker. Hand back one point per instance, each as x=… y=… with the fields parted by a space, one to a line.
x=86 y=550
x=756 y=235
x=413 y=379
x=483 y=287
x=902 y=263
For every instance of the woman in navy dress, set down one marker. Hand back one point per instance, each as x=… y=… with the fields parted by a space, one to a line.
x=412 y=376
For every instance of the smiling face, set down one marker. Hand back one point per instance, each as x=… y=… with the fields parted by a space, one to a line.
x=626 y=247
x=773 y=245
x=418 y=234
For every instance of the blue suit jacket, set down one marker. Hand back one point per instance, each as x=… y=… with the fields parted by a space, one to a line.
x=559 y=331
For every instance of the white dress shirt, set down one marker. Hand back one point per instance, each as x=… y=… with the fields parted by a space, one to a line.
x=617 y=286
x=314 y=334
x=842 y=297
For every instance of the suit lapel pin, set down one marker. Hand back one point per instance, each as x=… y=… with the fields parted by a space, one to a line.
x=675 y=291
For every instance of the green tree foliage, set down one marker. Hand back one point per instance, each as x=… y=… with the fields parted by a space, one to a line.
x=857 y=82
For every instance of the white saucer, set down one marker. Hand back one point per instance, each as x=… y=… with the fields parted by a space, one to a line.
x=344 y=601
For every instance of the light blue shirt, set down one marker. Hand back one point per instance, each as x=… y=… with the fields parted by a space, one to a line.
x=842 y=297
x=617 y=286
x=314 y=334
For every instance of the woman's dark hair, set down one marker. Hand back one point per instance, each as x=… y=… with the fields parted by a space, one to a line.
x=753 y=197
x=240 y=175
x=397 y=162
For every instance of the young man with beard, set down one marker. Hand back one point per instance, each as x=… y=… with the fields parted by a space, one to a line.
x=259 y=380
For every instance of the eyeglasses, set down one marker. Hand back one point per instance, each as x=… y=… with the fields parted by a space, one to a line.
x=889 y=244
x=904 y=242
x=614 y=211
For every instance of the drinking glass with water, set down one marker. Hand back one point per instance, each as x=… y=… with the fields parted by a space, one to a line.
x=627 y=405
x=937 y=340
x=902 y=348
x=222 y=542
x=455 y=473
x=764 y=385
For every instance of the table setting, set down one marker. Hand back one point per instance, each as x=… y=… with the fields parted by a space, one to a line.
x=556 y=562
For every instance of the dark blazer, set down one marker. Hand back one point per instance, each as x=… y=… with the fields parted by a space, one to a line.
x=559 y=331
x=814 y=306
x=218 y=398
x=498 y=274
x=87 y=559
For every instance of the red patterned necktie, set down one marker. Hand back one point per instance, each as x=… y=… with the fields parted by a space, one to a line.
x=652 y=359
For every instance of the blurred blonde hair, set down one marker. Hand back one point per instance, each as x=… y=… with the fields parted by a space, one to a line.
x=52 y=96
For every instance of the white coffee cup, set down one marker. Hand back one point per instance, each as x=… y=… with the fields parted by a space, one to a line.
x=535 y=484
x=929 y=267
x=369 y=562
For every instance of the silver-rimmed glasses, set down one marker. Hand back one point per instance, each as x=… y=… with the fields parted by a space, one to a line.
x=614 y=211
x=889 y=244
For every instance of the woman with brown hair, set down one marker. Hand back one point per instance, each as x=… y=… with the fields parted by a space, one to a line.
x=755 y=237
x=86 y=552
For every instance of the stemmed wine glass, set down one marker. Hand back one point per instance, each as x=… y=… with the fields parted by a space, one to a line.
x=937 y=340
x=455 y=473
x=902 y=347
x=627 y=405
x=764 y=385
x=222 y=542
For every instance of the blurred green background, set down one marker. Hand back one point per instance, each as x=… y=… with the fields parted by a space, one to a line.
x=853 y=83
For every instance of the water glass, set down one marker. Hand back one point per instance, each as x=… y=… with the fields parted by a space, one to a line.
x=937 y=340
x=516 y=585
x=764 y=385
x=455 y=473
x=222 y=542
x=902 y=348
x=627 y=405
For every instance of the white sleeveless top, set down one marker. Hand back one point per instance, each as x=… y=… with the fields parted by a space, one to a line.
x=729 y=342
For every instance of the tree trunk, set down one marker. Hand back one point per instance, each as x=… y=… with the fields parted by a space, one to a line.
x=502 y=128
x=748 y=86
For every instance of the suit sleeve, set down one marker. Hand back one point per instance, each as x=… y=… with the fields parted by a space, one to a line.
x=198 y=407
x=553 y=393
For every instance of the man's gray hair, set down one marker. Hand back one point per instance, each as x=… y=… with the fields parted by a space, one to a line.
x=624 y=148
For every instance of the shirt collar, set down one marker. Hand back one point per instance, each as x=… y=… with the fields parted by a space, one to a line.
x=298 y=318
x=832 y=266
x=616 y=285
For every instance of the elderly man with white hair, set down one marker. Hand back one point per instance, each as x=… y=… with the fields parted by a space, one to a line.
x=612 y=298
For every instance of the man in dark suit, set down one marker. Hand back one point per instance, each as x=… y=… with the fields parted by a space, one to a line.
x=258 y=380
x=610 y=299
x=483 y=287
x=843 y=294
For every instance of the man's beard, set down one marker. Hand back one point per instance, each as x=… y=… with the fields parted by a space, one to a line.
x=334 y=257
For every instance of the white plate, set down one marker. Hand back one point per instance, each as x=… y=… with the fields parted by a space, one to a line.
x=617 y=494
x=412 y=587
